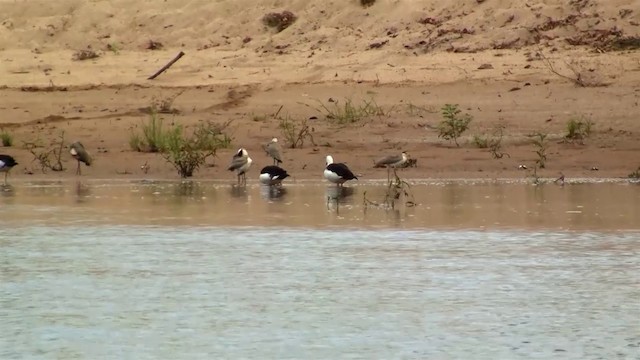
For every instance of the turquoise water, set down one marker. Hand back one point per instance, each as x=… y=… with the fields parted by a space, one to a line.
x=82 y=282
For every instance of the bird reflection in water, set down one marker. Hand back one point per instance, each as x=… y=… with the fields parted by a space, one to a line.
x=7 y=190
x=272 y=192
x=83 y=192
x=239 y=191
x=337 y=195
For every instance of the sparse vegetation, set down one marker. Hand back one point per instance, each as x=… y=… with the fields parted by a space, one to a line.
x=397 y=190
x=279 y=21
x=350 y=112
x=86 y=54
x=154 y=135
x=44 y=156
x=635 y=175
x=581 y=77
x=578 y=128
x=7 y=139
x=114 y=48
x=453 y=124
x=187 y=153
x=295 y=132
x=541 y=145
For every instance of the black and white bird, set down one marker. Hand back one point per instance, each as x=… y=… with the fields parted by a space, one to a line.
x=392 y=162
x=79 y=153
x=273 y=149
x=337 y=173
x=7 y=162
x=272 y=175
x=240 y=163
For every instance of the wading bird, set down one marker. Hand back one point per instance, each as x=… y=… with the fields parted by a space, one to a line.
x=392 y=161
x=79 y=153
x=273 y=149
x=272 y=175
x=7 y=162
x=337 y=173
x=241 y=162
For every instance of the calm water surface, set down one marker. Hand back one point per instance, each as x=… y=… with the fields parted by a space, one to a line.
x=173 y=271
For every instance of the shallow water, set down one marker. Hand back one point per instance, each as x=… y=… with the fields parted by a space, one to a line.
x=201 y=271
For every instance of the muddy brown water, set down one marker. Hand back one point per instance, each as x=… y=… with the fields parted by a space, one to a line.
x=194 y=270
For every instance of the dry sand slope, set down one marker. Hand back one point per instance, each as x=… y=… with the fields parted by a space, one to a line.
x=411 y=57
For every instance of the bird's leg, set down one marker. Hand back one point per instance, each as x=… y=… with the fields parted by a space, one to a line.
x=5 y=178
x=78 y=169
x=388 y=174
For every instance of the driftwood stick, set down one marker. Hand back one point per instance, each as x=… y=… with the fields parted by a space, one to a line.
x=180 y=54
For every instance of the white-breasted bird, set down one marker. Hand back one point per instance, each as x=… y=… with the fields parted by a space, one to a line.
x=272 y=175
x=79 y=153
x=7 y=162
x=337 y=173
x=273 y=149
x=392 y=161
x=241 y=162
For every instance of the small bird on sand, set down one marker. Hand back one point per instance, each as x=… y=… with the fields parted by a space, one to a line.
x=392 y=161
x=79 y=153
x=273 y=149
x=7 y=162
x=241 y=162
x=272 y=175
x=337 y=173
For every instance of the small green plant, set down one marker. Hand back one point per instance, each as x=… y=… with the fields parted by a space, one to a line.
x=114 y=47
x=7 y=139
x=154 y=134
x=635 y=175
x=453 y=124
x=187 y=153
x=541 y=145
x=481 y=142
x=350 y=112
x=578 y=128
x=296 y=132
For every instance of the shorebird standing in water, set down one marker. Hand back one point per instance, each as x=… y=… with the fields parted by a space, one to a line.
x=273 y=149
x=337 y=173
x=79 y=153
x=7 y=162
x=272 y=175
x=392 y=161
x=241 y=162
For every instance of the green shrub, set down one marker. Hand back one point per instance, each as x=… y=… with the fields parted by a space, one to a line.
x=453 y=124
x=7 y=139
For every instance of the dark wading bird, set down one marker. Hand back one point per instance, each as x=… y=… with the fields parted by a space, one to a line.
x=272 y=175
x=79 y=153
x=337 y=173
x=7 y=162
x=241 y=162
x=392 y=161
x=273 y=149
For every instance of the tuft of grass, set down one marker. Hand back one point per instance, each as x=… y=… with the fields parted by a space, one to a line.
x=367 y=3
x=7 y=139
x=350 y=112
x=579 y=128
x=154 y=134
x=453 y=124
x=279 y=21
x=541 y=146
x=635 y=175
x=481 y=142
